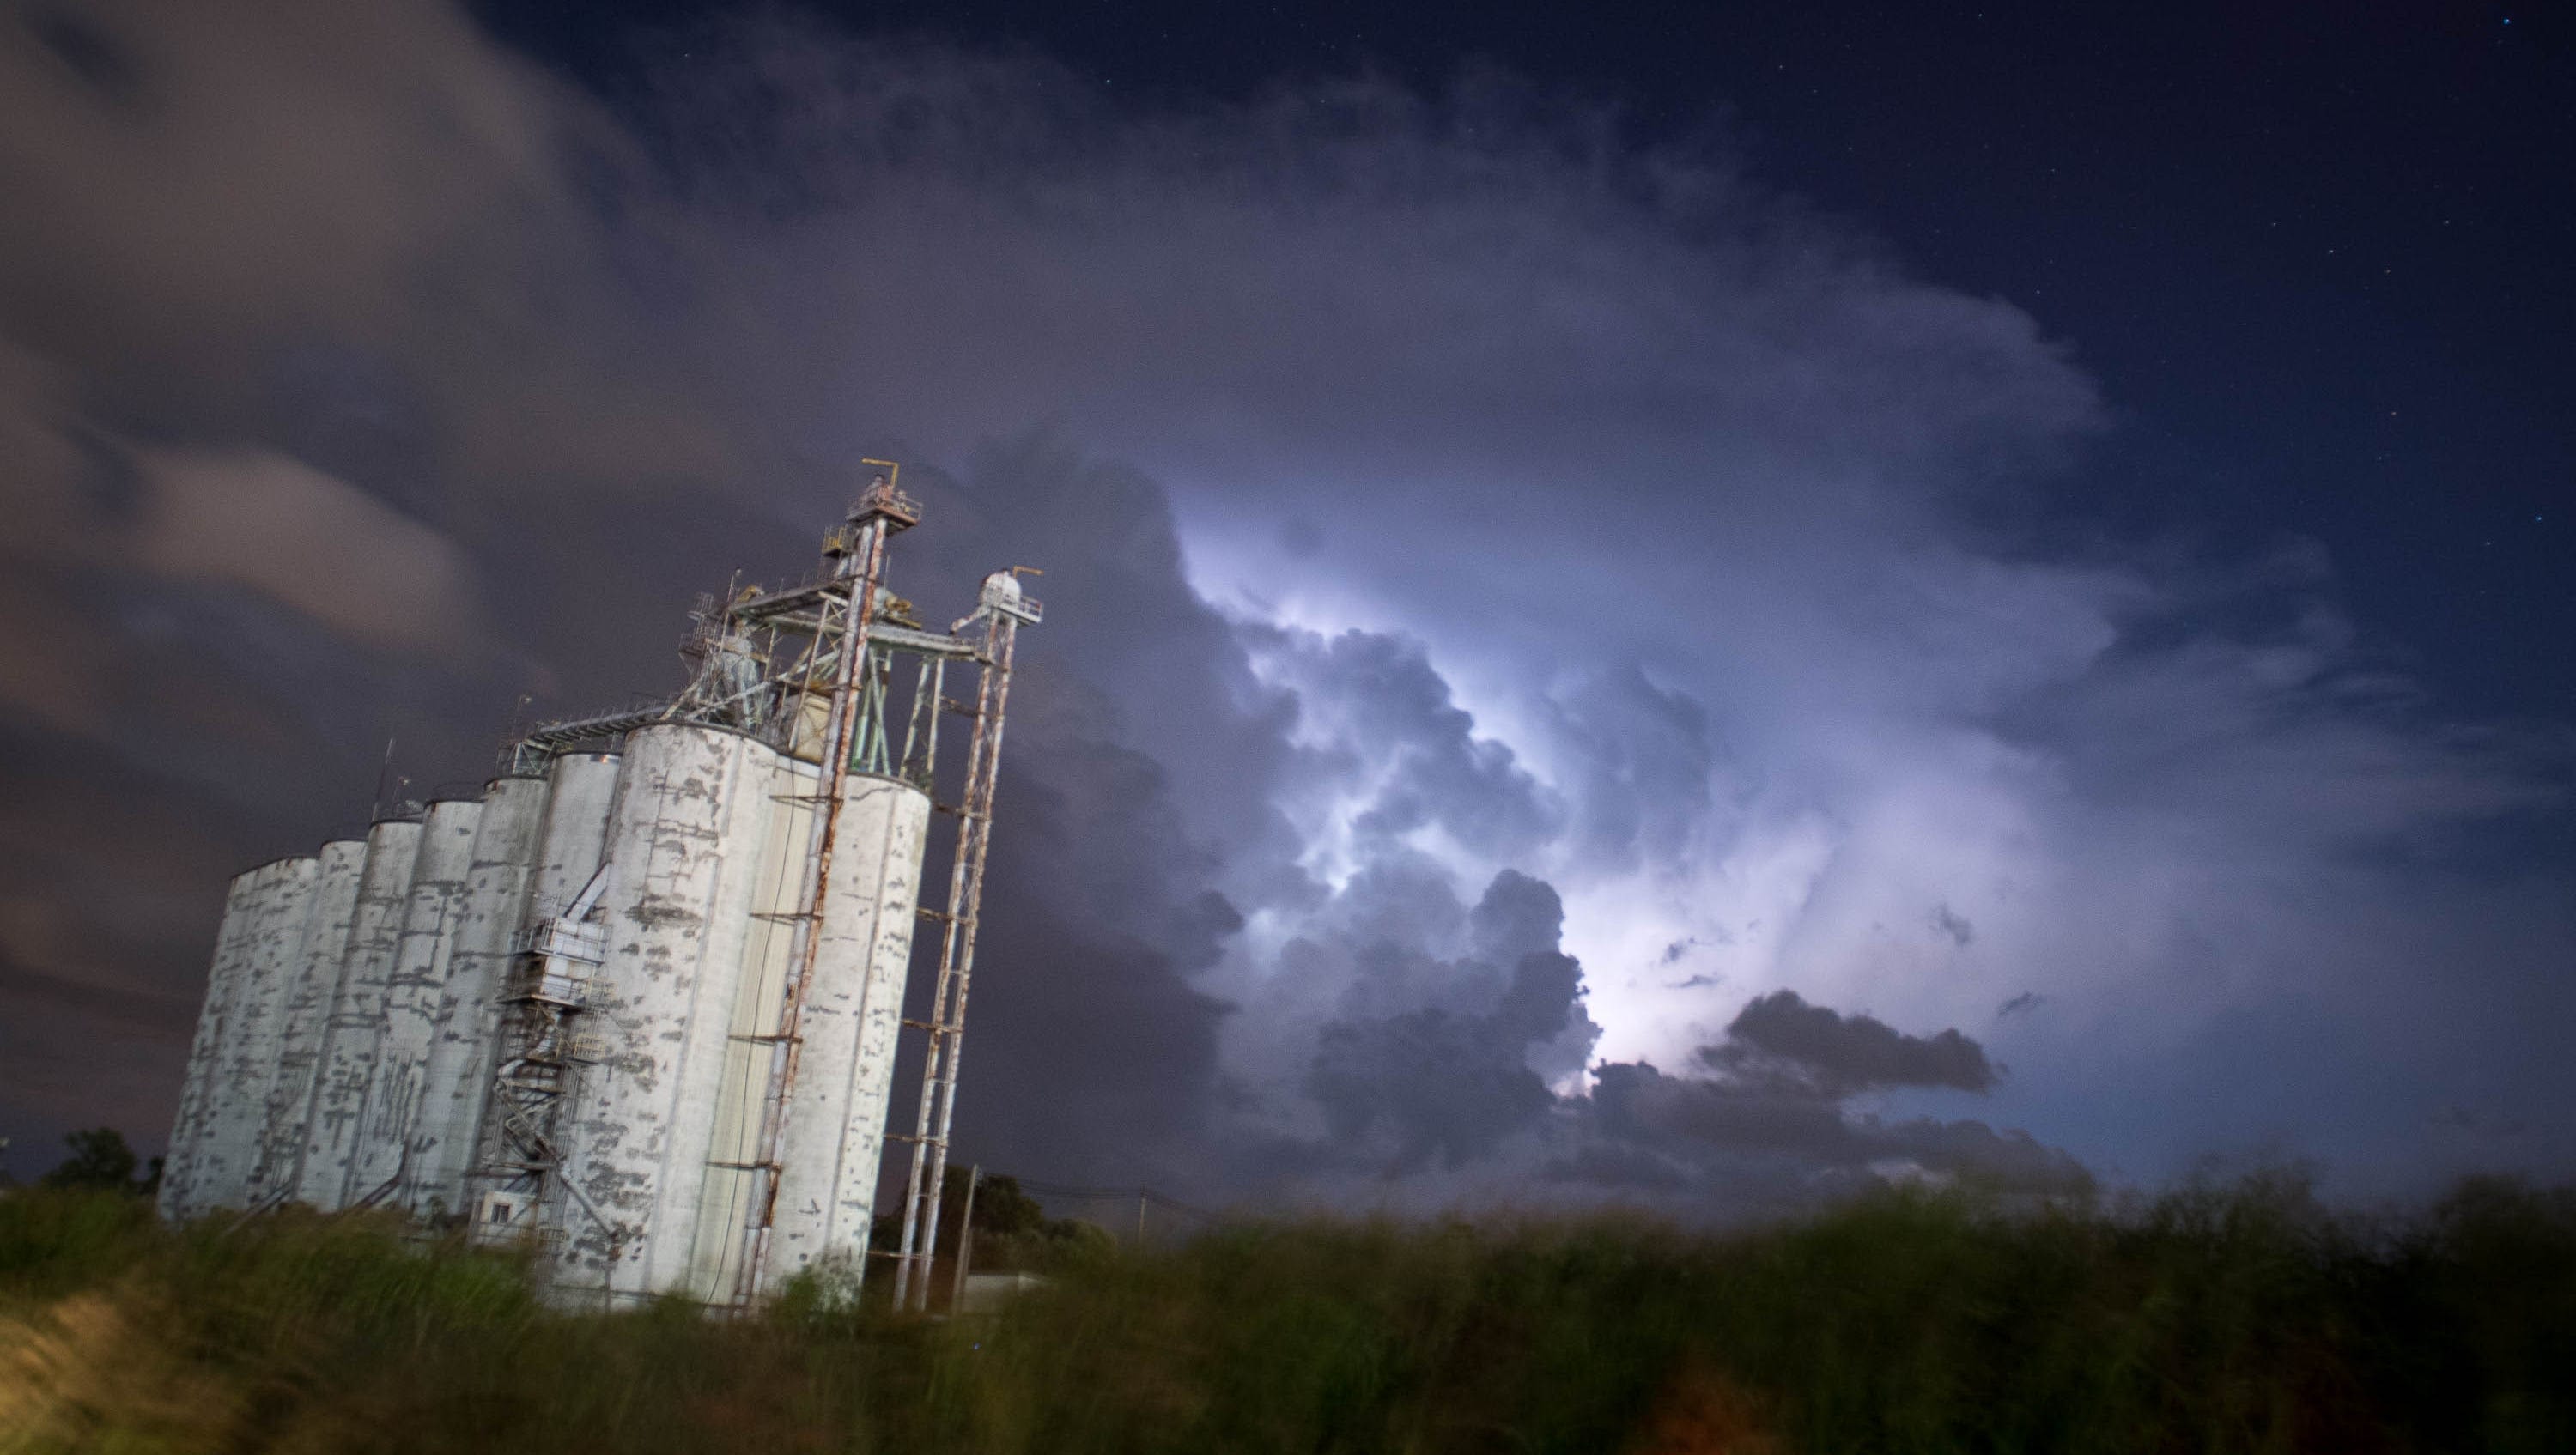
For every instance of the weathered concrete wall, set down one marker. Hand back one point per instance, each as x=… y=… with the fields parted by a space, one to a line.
x=585 y=791
x=456 y=1076
x=178 y=1197
x=836 y=1114
x=352 y=1013
x=725 y=1201
x=421 y=958
x=683 y=857
x=582 y=793
x=304 y=1012
x=237 y=1102
x=347 y=1059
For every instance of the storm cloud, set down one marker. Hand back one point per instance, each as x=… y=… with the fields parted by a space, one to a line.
x=1777 y=1114
x=1525 y=608
x=1455 y=1077
x=1845 y=1054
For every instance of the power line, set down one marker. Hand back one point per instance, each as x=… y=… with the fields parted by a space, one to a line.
x=1117 y=1194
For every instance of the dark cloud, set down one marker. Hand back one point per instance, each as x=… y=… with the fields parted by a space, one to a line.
x=1437 y=1083
x=1135 y=806
x=1475 y=546
x=1518 y=917
x=1770 y=1120
x=1454 y=1080
x=113 y=877
x=1844 y=1054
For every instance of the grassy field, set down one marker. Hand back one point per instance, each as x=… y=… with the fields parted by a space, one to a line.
x=2215 y=1319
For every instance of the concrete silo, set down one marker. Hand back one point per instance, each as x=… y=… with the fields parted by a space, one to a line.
x=236 y=1101
x=346 y=1059
x=835 y=1124
x=683 y=856
x=179 y=1187
x=305 y=1013
x=456 y=1072
x=533 y=1056
x=834 y=1127
x=640 y=1003
x=422 y=949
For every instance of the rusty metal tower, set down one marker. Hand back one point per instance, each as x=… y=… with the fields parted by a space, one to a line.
x=842 y=609
x=1003 y=610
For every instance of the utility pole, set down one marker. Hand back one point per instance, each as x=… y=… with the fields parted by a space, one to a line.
x=965 y=1241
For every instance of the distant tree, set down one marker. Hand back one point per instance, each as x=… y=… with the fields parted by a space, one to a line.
x=100 y=1159
x=1001 y=1209
x=1012 y=1230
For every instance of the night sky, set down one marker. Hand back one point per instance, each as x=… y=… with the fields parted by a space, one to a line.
x=1702 y=607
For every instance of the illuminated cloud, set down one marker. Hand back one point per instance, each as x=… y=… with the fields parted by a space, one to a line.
x=1456 y=518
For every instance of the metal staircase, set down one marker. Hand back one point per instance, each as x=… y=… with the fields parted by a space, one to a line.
x=543 y=1047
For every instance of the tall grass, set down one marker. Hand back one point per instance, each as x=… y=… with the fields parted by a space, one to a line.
x=2235 y=1318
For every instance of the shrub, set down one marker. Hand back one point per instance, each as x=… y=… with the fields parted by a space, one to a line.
x=2236 y=1317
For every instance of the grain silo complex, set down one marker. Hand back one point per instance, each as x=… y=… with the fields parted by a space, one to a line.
x=638 y=1005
